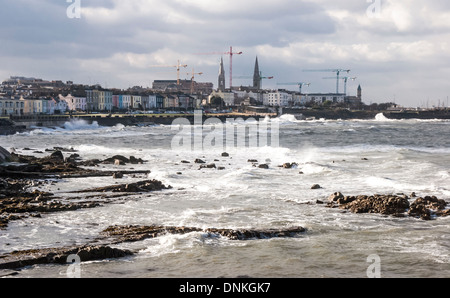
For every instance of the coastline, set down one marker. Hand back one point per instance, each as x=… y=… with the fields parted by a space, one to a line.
x=17 y=124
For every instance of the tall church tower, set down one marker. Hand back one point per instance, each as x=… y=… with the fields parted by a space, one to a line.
x=359 y=93
x=221 y=76
x=257 y=76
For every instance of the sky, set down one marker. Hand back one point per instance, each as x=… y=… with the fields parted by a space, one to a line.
x=397 y=50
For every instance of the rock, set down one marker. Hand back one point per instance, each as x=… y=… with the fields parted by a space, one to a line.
x=118 y=175
x=209 y=166
x=4 y=155
x=225 y=154
x=139 y=233
x=135 y=161
x=185 y=161
x=289 y=165
x=57 y=155
x=142 y=186
x=220 y=168
x=112 y=160
x=252 y=160
x=384 y=204
x=316 y=186
x=19 y=259
x=263 y=166
x=199 y=161
x=335 y=197
x=428 y=206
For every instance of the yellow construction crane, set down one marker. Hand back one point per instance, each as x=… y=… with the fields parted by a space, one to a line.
x=193 y=73
x=178 y=66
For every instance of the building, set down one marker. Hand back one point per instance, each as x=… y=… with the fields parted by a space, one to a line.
x=227 y=97
x=74 y=103
x=99 y=100
x=12 y=107
x=279 y=98
x=185 y=86
x=355 y=101
x=320 y=98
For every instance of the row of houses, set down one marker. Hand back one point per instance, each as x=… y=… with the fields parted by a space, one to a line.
x=274 y=98
x=103 y=100
x=95 y=101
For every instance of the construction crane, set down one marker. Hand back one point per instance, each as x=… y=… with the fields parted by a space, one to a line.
x=337 y=71
x=193 y=73
x=300 y=85
x=345 y=81
x=230 y=53
x=178 y=66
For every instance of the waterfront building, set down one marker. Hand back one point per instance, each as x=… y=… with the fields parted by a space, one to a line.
x=279 y=98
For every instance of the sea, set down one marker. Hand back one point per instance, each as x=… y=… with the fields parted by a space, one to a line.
x=354 y=157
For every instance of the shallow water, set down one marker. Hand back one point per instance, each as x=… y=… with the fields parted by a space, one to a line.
x=353 y=157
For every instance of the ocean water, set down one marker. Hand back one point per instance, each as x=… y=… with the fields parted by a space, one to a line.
x=378 y=156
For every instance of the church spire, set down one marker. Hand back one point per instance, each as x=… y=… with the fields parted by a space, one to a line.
x=257 y=76
x=221 y=76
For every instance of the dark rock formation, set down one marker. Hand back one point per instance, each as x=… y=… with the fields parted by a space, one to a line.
x=137 y=233
x=397 y=205
x=18 y=259
x=4 y=155
x=142 y=186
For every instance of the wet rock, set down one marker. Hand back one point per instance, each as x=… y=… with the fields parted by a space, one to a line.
x=199 y=161
x=384 y=204
x=131 y=233
x=315 y=186
x=225 y=154
x=209 y=166
x=252 y=160
x=118 y=175
x=425 y=207
x=135 y=161
x=142 y=186
x=112 y=160
x=4 y=155
x=288 y=165
x=263 y=166
x=335 y=197
x=185 y=161
x=19 y=259
x=57 y=156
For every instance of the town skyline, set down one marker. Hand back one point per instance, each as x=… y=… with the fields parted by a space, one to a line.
x=398 y=52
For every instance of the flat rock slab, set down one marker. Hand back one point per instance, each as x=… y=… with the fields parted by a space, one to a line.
x=132 y=233
x=19 y=259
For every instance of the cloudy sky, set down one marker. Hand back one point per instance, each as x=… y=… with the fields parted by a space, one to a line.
x=397 y=50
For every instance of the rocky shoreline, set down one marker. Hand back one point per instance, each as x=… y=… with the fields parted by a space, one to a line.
x=19 y=174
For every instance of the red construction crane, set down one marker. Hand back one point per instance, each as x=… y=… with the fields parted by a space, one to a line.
x=178 y=69
x=231 y=53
